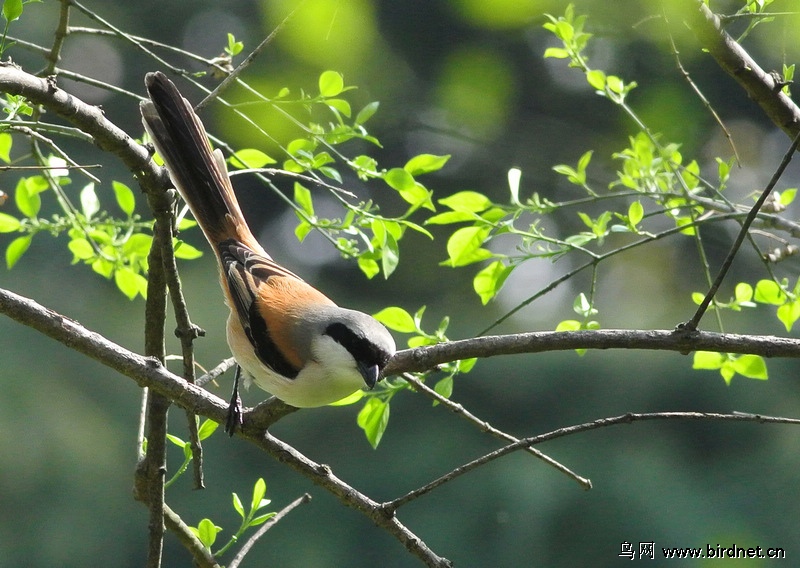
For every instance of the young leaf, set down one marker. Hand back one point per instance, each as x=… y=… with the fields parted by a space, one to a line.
x=399 y=179
x=238 y=506
x=259 y=490
x=635 y=213
x=708 y=360
x=396 y=319
x=5 y=147
x=425 y=163
x=468 y=201
x=16 y=249
x=12 y=10
x=373 y=419
x=488 y=282
x=250 y=158
x=302 y=196
x=366 y=113
x=8 y=224
x=27 y=198
x=331 y=83
x=128 y=282
x=207 y=532
x=751 y=366
x=464 y=246
x=125 y=197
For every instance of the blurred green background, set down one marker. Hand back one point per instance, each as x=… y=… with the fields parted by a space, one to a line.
x=460 y=77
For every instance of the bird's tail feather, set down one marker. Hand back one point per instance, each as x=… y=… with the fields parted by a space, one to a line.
x=198 y=173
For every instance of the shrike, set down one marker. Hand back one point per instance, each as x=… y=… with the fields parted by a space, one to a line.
x=289 y=338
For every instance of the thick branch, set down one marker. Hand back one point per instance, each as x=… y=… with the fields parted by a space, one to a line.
x=731 y=57
x=90 y=119
x=425 y=358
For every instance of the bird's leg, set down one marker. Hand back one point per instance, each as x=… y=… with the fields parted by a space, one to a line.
x=234 y=419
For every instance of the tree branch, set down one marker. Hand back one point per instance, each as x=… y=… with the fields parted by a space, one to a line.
x=425 y=358
x=734 y=60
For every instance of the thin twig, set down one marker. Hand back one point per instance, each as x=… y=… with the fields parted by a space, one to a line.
x=262 y=530
x=692 y=324
x=60 y=34
x=696 y=89
x=200 y=554
x=486 y=427
x=186 y=331
x=570 y=430
x=234 y=75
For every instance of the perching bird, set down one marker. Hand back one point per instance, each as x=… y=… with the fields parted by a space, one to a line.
x=289 y=338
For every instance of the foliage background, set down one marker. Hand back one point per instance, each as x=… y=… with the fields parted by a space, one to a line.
x=463 y=77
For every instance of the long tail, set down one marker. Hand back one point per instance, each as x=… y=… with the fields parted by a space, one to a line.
x=199 y=173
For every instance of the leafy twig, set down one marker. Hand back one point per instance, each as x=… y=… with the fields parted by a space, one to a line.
x=691 y=325
x=248 y=544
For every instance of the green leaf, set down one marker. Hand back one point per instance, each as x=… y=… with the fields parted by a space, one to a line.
x=261 y=519
x=248 y=158
x=373 y=419
x=743 y=292
x=488 y=282
x=12 y=10
x=769 y=292
x=16 y=249
x=9 y=224
x=238 y=506
x=184 y=250
x=207 y=532
x=390 y=255
x=557 y=52
x=596 y=79
x=138 y=245
x=444 y=387
x=449 y=217
x=207 y=427
x=787 y=196
x=568 y=325
x=125 y=197
x=350 y=399
x=27 y=198
x=789 y=313
x=708 y=360
x=128 y=281
x=366 y=113
x=417 y=196
x=635 y=213
x=259 y=490
x=397 y=319
x=5 y=147
x=368 y=266
x=469 y=201
x=399 y=179
x=425 y=163
x=464 y=246
x=302 y=197
x=176 y=441
x=340 y=105
x=331 y=83
x=81 y=249
x=751 y=366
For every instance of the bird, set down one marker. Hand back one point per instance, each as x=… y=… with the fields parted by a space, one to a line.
x=288 y=338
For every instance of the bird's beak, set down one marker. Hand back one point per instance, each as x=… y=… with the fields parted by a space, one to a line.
x=370 y=374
